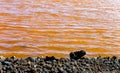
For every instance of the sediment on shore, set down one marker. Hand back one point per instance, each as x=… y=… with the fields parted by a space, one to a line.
x=74 y=64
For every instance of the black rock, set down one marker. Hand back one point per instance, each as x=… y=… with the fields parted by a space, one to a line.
x=50 y=58
x=39 y=59
x=8 y=59
x=30 y=59
x=60 y=70
x=114 y=58
x=13 y=57
x=77 y=54
x=119 y=61
x=6 y=63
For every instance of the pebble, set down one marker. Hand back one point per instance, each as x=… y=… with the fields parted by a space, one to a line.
x=60 y=70
x=50 y=58
x=39 y=59
x=30 y=59
x=6 y=63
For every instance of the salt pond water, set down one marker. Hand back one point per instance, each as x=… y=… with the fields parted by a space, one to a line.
x=57 y=27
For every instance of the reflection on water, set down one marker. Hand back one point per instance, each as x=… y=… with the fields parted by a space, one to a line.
x=57 y=27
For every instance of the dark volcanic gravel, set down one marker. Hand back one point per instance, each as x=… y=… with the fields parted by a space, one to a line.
x=61 y=65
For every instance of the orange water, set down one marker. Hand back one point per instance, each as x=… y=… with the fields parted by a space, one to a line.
x=57 y=27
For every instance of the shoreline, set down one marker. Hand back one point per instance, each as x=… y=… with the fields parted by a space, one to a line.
x=61 y=65
x=76 y=63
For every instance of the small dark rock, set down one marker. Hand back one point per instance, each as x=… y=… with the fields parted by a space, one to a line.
x=50 y=58
x=48 y=62
x=13 y=57
x=39 y=59
x=42 y=63
x=8 y=59
x=30 y=59
x=119 y=61
x=77 y=54
x=48 y=66
x=60 y=70
x=114 y=58
x=6 y=63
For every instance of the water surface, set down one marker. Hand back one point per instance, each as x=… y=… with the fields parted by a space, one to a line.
x=57 y=27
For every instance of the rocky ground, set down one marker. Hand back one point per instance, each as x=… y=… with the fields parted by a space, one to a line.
x=73 y=64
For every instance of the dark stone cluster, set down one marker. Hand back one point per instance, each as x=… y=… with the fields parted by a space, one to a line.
x=61 y=65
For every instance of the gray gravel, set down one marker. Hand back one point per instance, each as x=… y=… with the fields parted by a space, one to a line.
x=61 y=65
